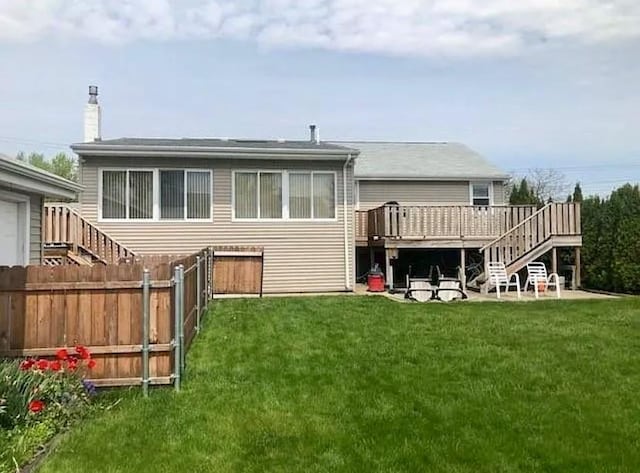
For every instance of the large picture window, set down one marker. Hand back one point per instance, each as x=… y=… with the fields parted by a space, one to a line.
x=284 y=195
x=151 y=194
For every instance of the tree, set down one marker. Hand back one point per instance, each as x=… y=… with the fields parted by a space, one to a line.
x=611 y=248
x=538 y=187
x=521 y=194
x=61 y=164
x=577 y=193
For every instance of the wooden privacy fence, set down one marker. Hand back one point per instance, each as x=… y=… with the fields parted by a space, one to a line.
x=138 y=320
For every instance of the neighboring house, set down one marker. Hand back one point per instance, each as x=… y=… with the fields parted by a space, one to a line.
x=23 y=189
x=301 y=201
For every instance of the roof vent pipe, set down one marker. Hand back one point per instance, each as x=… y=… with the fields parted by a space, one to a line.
x=314 y=134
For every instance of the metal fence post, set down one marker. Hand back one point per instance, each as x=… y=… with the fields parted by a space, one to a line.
x=181 y=299
x=198 y=292
x=212 y=277
x=176 y=335
x=146 y=296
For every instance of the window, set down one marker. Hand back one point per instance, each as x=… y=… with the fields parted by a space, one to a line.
x=185 y=194
x=127 y=195
x=258 y=195
x=284 y=195
x=480 y=194
x=311 y=195
x=152 y=194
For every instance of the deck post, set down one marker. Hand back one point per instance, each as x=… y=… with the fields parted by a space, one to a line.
x=463 y=271
x=388 y=267
x=372 y=256
x=577 y=277
x=554 y=260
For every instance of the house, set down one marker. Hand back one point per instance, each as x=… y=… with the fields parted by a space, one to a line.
x=176 y=196
x=441 y=176
x=23 y=189
x=449 y=210
x=322 y=211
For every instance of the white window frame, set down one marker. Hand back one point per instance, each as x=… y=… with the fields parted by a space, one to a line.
x=156 y=195
x=481 y=183
x=285 y=195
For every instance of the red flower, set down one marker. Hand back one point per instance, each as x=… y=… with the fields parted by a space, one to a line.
x=55 y=365
x=36 y=406
x=91 y=364
x=42 y=364
x=27 y=364
x=62 y=354
x=72 y=363
x=83 y=352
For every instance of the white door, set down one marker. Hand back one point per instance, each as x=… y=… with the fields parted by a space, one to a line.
x=11 y=234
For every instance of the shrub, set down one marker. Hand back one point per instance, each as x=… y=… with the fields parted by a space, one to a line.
x=39 y=397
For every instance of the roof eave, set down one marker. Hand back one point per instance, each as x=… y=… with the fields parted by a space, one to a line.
x=95 y=149
x=21 y=177
x=497 y=177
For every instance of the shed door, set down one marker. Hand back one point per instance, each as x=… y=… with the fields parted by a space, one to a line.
x=12 y=234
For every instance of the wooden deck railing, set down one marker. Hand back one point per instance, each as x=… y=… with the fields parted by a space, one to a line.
x=63 y=225
x=458 y=221
x=362 y=230
x=556 y=219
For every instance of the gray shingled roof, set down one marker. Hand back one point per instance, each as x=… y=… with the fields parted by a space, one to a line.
x=413 y=160
x=216 y=143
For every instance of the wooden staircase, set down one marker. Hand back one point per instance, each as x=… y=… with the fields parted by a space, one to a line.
x=554 y=225
x=68 y=238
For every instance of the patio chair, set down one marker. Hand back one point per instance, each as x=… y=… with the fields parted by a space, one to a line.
x=498 y=276
x=420 y=290
x=537 y=273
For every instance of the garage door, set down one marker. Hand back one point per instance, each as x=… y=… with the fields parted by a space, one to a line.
x=11 y=234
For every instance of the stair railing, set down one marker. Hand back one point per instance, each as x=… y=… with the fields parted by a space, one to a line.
x=551 y=220
x=64 y=225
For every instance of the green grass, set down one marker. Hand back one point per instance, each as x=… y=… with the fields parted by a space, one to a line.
x=367 y=384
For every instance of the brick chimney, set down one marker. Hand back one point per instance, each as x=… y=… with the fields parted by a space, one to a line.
x=92 y=117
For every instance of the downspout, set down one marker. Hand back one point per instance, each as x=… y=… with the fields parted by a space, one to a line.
x=345 y=213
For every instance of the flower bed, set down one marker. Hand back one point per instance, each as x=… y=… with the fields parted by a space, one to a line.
x=39 y=398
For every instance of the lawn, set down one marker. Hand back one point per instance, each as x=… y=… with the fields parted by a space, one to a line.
x=368 y=384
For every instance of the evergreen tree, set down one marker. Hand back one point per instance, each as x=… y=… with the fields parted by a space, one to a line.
x=577 y=193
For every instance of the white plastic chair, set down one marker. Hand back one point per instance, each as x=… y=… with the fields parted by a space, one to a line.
x=537 y=273
x=498 y=276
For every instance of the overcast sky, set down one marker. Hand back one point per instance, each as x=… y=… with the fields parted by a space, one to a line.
x=532 y=83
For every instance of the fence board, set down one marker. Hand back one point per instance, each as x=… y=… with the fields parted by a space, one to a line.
x=46 y=308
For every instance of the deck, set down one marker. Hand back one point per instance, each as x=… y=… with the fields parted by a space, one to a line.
x=462 y=226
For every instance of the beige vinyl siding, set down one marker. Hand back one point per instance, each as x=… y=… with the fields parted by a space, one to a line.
x=35 y=228
x=299 y=256
x=375 y=193
x=499 y=197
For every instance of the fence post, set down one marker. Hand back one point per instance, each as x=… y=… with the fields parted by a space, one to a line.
x=199 y=292
x=181 y=299
x=146 y=283
x=212 y=274
x=176 y=336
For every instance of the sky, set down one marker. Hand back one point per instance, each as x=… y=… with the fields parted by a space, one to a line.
x=528 y=84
